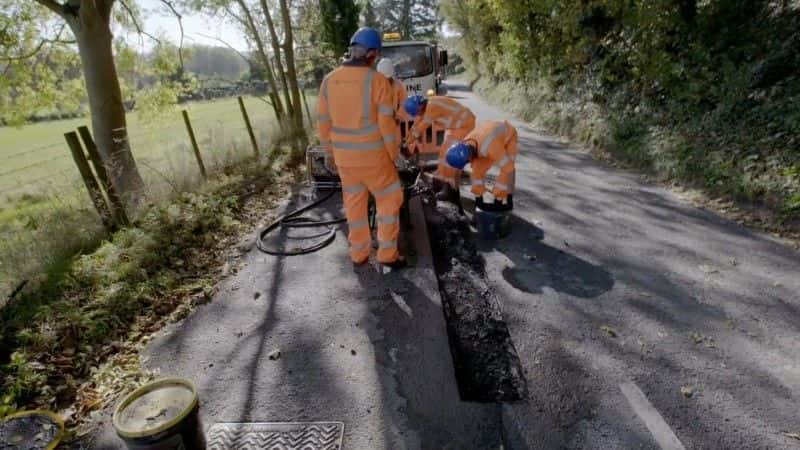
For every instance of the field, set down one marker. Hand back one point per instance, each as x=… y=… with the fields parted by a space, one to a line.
x=35 y=159
x=46 y=216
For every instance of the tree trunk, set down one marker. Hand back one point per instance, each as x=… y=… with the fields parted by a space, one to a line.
x=276 y=48
x=288 y=51
x=93 y=35
x=405 y=20
x=262 y=53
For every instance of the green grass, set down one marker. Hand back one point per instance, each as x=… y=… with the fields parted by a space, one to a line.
x=35 y=157
x=49 y=221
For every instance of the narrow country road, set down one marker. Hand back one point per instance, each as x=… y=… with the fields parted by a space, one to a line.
x=640 y=321
x=693 y=302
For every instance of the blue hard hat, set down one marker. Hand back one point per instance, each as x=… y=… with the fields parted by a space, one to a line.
x=458 y=155
x=367 y=37
x=414 y=103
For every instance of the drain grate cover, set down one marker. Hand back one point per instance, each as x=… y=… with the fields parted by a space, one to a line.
x=276 y=436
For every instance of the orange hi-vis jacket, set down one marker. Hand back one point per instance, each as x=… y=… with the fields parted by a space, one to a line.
x=497 y=146
x=446 y=113
x=400 y=114
x=400 y=98
x=355 y=117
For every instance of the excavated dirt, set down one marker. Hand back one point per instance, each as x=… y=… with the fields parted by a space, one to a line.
x=486 y=362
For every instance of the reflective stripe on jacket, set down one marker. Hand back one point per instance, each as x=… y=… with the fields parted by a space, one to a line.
x=497 y=146
x=356 y=117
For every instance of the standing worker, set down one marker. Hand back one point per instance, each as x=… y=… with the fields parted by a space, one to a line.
x=356 y=123
x=490 y=144
x=386 y=67
x=447 y=113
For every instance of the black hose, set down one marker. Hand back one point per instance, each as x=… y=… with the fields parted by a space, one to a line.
x=294 y=220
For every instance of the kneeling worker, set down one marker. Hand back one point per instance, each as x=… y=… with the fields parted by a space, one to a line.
x=492 y=143
x=455 y=118
x=356 y=123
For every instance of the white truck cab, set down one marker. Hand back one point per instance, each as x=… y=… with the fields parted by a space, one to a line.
x=419 y=64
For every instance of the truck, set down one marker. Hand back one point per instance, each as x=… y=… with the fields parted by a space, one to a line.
x=419 y=64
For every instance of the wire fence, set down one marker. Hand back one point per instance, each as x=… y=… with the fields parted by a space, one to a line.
x=161 y=145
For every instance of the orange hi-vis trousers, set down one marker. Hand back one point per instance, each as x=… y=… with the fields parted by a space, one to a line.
x=384 y=184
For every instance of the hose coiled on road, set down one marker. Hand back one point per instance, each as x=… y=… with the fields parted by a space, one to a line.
x=293 y=219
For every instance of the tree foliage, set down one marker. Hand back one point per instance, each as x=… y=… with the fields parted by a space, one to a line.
x=413 y=19
x=212 y=62
x=339 y=22
x=720 y=72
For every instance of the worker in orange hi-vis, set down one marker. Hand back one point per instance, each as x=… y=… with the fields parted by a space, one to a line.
x=356 y=123
x=491 y=143
x=386 y=68
x=455 y=118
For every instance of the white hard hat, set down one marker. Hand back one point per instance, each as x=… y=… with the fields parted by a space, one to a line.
x=386 y=67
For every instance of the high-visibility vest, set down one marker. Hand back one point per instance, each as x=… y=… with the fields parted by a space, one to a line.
x=445 y=113
x=356 y=117
x=497 y=147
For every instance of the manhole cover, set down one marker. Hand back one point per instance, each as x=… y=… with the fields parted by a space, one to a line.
x=276 y=436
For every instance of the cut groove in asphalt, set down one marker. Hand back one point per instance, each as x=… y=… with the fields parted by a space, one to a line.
x=486 y=363
x=648 y=414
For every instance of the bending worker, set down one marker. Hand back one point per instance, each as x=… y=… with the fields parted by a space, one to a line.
x=356 y=123
x=447 y=113
x=490 y=144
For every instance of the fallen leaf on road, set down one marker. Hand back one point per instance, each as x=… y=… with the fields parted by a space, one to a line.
x=687 y=391
x=705 y=268
x=608 y=330
x=275 y=354
x=792 y=435
x=734 y=262
x=697 y=337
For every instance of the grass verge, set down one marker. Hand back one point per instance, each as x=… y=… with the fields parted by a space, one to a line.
x=730 y=164
x=70 y=342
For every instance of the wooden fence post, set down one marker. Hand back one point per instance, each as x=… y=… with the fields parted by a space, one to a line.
x=88 y=179
x=308 y=112
x=117 y=207
x=249 y=127
x=194 y=144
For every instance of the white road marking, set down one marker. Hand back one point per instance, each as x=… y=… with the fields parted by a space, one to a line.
x=662 y=433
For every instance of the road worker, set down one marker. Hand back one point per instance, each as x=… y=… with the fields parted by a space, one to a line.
x=356 y=123
x=386 y=67
x=455 y=118
x=491 y=143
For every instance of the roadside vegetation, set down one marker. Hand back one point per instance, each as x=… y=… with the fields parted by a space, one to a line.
x=102 y=302
x=702 y=92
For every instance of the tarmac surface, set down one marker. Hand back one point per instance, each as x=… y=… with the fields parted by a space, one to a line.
x=639 y=321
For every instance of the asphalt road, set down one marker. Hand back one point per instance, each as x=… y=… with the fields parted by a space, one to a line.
x=694 y=301
x=640 y=322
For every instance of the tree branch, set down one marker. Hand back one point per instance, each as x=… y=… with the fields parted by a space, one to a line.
x=223 y=42
x=136 y=22
x=42 y=43
x=180 y=25
x=54 y=6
